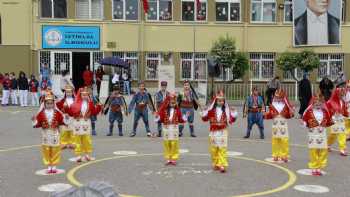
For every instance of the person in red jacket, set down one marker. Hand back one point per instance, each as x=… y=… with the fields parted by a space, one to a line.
x=81 y=110
x=88 y=77
x=279 y=111
x=339 y=112
x=67 y=136
x=317 y=118
x=219 y=116
x=169 y=114
x=49 y=119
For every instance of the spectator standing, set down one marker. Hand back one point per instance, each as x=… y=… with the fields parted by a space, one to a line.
x=5 y=90
x=99 y=76
x=13 y=89
x=126 y=80
x=23 y=87
x=45 y=71
x=116 y=79
x=33 y=89
x=88 y=77
x=340 y=81
x=304 y=94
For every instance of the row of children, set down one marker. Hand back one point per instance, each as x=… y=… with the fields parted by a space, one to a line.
x=13 y=87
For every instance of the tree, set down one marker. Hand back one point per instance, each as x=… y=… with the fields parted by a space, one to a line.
x=306 y=61
x=225 y=54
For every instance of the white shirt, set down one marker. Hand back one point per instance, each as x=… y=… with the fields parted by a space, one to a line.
x=49 y=114
x=69 y=101
x=318 y=113
x=171 y=114
x=278 y=106
x=115 y=78
x=317 y=28
x=218 y=113
x=84 y=107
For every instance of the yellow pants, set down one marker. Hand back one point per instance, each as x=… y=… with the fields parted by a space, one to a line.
x=218 y=156
x=67 y=137
x=51 y=155
x=318 y=158
x=280 y=147
x=171 y=149
x=347 y=127
x=83 y=144
x=341 y=140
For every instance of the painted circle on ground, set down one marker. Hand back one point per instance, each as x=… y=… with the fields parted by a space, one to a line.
x=43 y=172
x=74 y=159
x=318 y=189
x=308 y=172
x=234 y=154
x=182 y=151
x=270 y=159
x=290 y=182
x=54 y=187
x=125 y=152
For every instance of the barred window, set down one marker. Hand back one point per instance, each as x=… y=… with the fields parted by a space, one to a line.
x=53 y=8
x=331 y=65
x=89 y=9
x=228 y=10
x=262 y=65
x=288 y=11
x=194 y=66
x=190 y=9
x=132 y=59
x=44 y=58
x=125 y=9
x=96 y=57
x=160 y=10
x=297 y=72
x=225 y=74
x=263 y=11
x=152 y=63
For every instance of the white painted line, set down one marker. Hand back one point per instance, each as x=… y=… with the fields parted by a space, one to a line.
x=182 y=151
x=74 y=159
x=318 y=189
x=43 y=172
x=308 y=172
x=54 y=187
x=233 y=154
x=270 y=159
x=125 y=152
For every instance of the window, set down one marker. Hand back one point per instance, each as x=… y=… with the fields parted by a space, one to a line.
x=44 y=58
x=343 y=15
x=89 y=9
x=262 y=65
x=194 y=66
x=190 y=8
x=125 y=9
x=263 y=11
x=95 y=58
x=133 y=60
x=288 y=11
x=228 y=10
x=152 y=63
x=53 y=8
x=160 y=10
x=331 y=65
x=297 y=72
x=225 y=75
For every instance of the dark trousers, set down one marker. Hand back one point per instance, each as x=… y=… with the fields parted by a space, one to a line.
x=115 y=116
x=137 y=116
x=258 y=119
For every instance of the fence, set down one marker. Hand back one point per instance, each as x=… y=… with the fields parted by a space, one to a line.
x=239 y=91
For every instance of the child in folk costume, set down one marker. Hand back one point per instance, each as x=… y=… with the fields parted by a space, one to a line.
x=339 y=112
x=169 y=114
x=93 y=118
x=346 y=99
x=279 y=111
x=317 y=118
x=49 y=119
x=67 y=136
x=81 y=110
x=115 y=103
x=219 y=115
